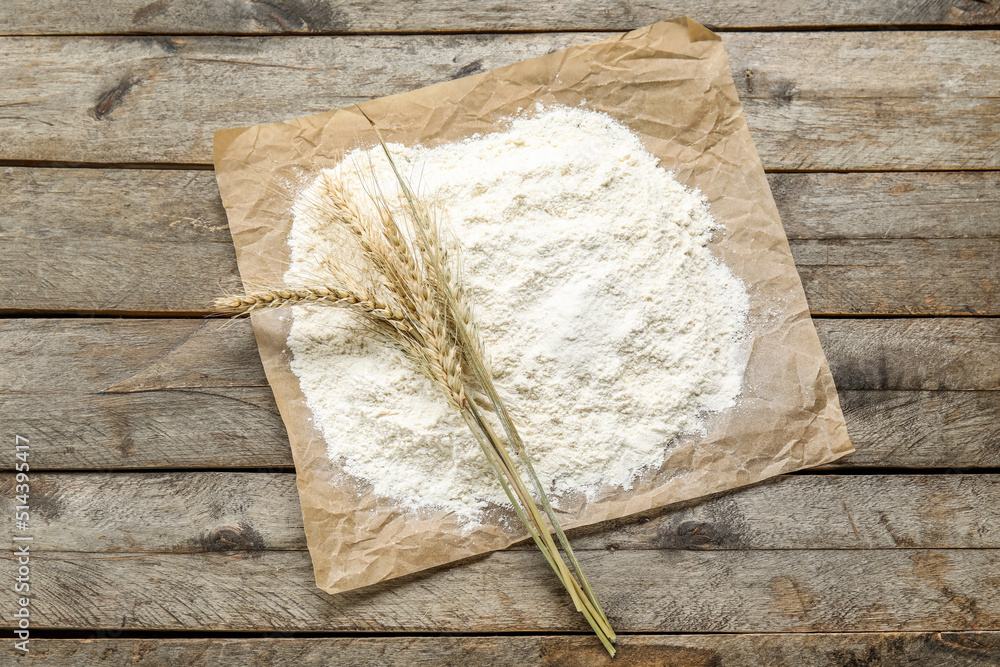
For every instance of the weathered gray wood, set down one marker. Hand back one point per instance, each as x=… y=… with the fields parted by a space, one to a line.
x=58 y=205
x=159 y=99
x=240 y=428
x=331 y=16
x=972 y=649
x=890 y=276
x=922 y=429
x=123 y=240
x=907 y=205
x=192 y=428
x=201 y=512
x=514 y=591
x=214 y=427
x=140 y=278
x=915 y=354
x=885 y=100
x=149 y=242
x=192 y=393
x=122 y=356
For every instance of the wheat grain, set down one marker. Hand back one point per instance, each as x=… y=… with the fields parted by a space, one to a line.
x=420 y=305
x=366 y=304
x=438 y=272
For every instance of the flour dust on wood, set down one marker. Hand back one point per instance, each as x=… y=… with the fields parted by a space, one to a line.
x=610 y=325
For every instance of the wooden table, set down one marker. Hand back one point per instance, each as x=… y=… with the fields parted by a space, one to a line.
x=163 y=508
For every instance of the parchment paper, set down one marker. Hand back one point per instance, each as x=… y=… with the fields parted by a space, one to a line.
x=670 y=83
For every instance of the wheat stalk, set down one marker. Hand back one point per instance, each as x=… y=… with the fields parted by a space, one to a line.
x=429 y=241
x=313 y=294
x=418 y=303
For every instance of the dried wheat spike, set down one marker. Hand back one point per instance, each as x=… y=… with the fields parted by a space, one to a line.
x=315 y=294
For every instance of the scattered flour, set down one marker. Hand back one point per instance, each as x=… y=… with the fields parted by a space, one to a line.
x=610 y=325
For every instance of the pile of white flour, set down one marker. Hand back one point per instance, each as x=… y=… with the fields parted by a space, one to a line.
x=610 y=325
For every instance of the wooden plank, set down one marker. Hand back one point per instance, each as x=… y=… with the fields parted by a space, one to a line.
x=92 y=240
x=150 y=278
x=972 y=649
x=45 y=205
x=159 y=99
x=198 y=512
x=240 y=428
x=907 y=205
x=327 y=16
x=514 y=591
x=153 y=242
x=892 y=276
x=210 y=428
x=95 y=240
x=121 y=356
x=189 y=428
x=914 y=354
x=48 y=356
x=820 y=101
x=192 y=393
x=922 y=429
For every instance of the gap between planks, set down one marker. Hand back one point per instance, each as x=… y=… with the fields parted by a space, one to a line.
x=208 y=166
x=449 y=16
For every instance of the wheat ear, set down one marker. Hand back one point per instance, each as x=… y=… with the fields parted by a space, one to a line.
x=420 y=305
x=439 y=272
x=366 y=304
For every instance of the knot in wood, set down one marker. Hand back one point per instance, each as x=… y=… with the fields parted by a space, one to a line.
x=228 y=538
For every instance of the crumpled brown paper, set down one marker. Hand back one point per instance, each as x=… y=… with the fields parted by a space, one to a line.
x=670 y=83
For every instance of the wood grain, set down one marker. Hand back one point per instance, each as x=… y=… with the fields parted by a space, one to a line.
x=180 y=393
x=131 y=355
x=181 y=428
x=192 y=393
x=110 y=276
x=972 y=649
x=154 y=241
x=329 y=16
x=915 y=354
x=207 y=512
x=908 y=205
x=858 y=590
x=809 y=557
x=58 y=205
x=893 y=276
x=816 y=101
x=240 y=428
x=922 y=429
x=56 y=355
x=85 y=240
